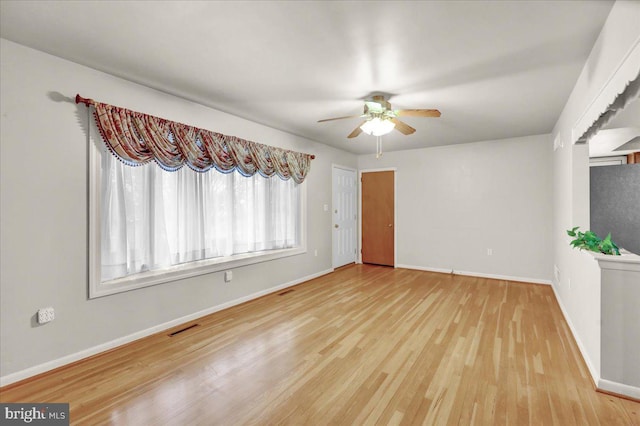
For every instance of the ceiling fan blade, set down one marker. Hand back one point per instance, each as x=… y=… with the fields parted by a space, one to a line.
x=418 y=113
x=356 y=131
x=403 y=127
x=338 y=118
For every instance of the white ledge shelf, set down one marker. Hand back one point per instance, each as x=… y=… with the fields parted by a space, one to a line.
x=627 y=261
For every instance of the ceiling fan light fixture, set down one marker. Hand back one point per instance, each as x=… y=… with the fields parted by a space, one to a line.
x=378 y=126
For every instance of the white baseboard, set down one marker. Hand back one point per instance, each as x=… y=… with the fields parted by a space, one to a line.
x=595 y=374
x=619 y=388
x=68 y=359
x=425 y=268
x=476 y=274
x=503 y=277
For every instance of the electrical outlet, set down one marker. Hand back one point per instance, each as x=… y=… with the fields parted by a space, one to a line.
x=315 y=252
x=46 y=315
x=489 y=252
x=228 y=276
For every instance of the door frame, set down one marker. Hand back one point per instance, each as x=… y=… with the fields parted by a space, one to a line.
x=333 y=190
x=395 y=211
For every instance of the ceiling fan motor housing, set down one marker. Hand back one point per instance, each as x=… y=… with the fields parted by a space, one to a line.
x=379 y=109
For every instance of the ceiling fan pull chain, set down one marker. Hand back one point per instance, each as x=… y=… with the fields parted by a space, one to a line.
x=378 y=146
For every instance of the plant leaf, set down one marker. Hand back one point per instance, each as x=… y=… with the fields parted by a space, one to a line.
x=572 y=232
x=589 y=240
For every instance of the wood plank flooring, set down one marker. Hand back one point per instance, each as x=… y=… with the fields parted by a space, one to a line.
x=363 y=345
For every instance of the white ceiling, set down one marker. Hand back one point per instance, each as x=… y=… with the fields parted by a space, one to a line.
x=495 y=69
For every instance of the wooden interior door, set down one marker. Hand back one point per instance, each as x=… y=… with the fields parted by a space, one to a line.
x=378 y=215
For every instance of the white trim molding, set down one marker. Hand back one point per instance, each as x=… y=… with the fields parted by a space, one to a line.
x=526 y=280
x=627 y=261
x=477 y=274
x=618 y=388
x=426 y=268
x=593 y=371
x=78 y=356
x=188 y=270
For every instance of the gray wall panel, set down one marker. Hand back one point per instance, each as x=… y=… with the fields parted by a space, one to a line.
x=615 y=204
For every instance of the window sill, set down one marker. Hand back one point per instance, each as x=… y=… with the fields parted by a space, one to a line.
x=187 y=270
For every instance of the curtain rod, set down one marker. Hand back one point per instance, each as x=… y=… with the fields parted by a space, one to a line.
x=88 y=102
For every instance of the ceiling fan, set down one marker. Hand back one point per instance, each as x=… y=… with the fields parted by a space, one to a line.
x=380 y=119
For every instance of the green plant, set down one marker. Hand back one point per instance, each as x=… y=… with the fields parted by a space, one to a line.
x=590 y=241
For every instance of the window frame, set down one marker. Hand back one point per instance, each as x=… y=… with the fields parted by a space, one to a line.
x=98 y=288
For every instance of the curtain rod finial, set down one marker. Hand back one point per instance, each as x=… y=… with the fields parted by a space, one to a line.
x=80 y=99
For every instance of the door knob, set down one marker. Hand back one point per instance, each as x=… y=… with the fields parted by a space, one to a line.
x=390 y=225
x=335 y=226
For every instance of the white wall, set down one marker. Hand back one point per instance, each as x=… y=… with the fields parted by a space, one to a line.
x=577 y=291
x=455 y=202
x=44 y=214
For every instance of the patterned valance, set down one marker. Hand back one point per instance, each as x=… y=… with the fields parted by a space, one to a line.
x=136 y=138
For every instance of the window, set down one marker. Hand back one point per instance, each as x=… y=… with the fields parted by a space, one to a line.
x=152 y=226
x=148 y=226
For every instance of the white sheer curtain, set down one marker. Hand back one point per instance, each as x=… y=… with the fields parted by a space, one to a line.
x=153 y=219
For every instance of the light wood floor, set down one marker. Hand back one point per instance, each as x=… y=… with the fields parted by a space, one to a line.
x=364 y=345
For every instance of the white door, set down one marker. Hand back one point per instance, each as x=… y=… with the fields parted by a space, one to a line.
x=344 y=215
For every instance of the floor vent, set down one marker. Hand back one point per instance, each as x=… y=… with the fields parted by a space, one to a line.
x=183 y=330
x=285 y=292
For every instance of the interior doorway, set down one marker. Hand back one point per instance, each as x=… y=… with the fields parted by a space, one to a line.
x=345 y=216
x=378 y=217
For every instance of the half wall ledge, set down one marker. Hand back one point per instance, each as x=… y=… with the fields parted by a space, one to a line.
x=620 y=323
